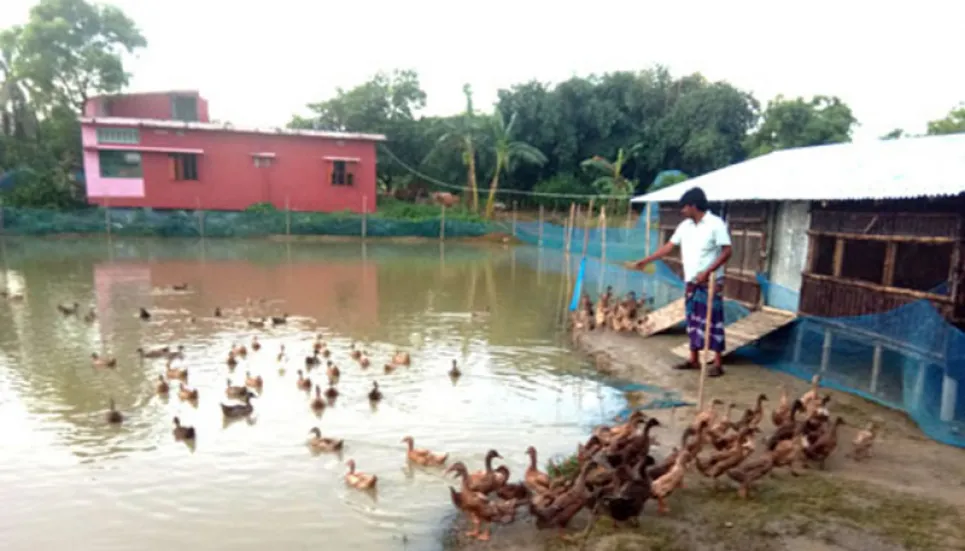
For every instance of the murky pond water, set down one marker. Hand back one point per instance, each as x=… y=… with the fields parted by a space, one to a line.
x=69 y=479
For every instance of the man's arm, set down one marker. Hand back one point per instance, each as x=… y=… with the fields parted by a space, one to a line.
x=663 y=251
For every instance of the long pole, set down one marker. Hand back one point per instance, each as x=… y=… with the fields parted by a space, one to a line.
x=586 y=226
x=602 y=247
x=514 y=218
x=197 y=203
x=288 y=216
x=442 y=224
x=365 y=216
x=539 y=241
x=569 y=231
x=711 y=288
x=107 y=216
x=646 y=236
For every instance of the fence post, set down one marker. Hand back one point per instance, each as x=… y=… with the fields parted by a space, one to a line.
x=197 y=202
x=288 y=216
x=442 y=224
x=107 y=215
x=539 y=241
x=514 y=218
x=602 y=247
x=569 y=229
x=365 y=216
x=629 y=223
x=646 y=237
x=586 y=226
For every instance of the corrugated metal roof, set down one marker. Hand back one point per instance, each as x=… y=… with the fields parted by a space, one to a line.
x=930 y=166
x=227 y=127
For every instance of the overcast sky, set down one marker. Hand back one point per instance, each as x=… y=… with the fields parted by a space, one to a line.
x=897 y=64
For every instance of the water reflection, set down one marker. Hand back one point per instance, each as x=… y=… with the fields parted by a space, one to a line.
x=106 y=485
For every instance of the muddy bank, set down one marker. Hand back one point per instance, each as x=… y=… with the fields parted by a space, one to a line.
x=909 y=496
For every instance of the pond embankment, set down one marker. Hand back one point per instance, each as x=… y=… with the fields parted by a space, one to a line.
x=909 y=496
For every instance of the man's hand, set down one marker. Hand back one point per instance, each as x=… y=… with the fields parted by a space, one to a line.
x=702 y=277
x=635 y=264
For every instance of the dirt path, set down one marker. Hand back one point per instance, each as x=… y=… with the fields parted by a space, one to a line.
x=909 y=496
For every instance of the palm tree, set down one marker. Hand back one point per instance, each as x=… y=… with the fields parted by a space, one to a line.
x=612 y=181
x=508 y=152
x=461 y=136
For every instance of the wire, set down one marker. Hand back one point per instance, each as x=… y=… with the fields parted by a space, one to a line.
x=509 y=191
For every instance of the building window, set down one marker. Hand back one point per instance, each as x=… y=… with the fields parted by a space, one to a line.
x=128 y=136
x=120 y=164
x=341 y=176
x=263 y=162
x=184 y=167
x=184 y=108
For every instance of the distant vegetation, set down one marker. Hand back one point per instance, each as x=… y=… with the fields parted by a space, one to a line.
x=601 y=134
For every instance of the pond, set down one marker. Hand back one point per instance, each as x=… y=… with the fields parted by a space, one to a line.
x=72 y=480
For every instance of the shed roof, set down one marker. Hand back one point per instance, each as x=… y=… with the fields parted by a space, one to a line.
x=932 y=166
x=227 y=127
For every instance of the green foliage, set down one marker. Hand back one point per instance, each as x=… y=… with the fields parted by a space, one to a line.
x=562 y=184
x=667 y=181
x=261 y=207
x=393 y=209
x=800 y=123
x=953 y=123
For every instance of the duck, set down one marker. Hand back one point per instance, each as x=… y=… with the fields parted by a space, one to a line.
x=863 y=441
x=312 y=361
x=217 y=312
x=375 y=395
x=176 y=354
x=281 y=357
x=787 y=429
x=143 y=314
x=10 y=295
x=238 y=410
x=318 y=344
x=389 y=368
x=723 y=461
x=359 y=480
x=812 y=394
x=331 y=392
x=176 y=373
x=364 y=361
x=317 y=443
x=68 y=309
x=423 y=457
x=182 y=432
x=721 y=425
x=781 y=412
x=232 y=360
x=758 y=416
x=454 y=371
x=154 y=352
x=162 y=387
x=318 y=403
x=484 y=481
x=240 y=350
x=354 y=353
x=709 y=414
x=750 y=472
x=255 y=382
x=401 y=358
x=477 y=507
x=333 y=372
x=279 y=320
x=179 y=287
x=662 y=487
x=113 y=416
x=559 y=511
x=257 y=323
x=820 y=449
x=535 y=480
x=255 y=345
x=235 y=391
x=90 y=317
x=98 y=361
x=302 y=383
x=187 y=394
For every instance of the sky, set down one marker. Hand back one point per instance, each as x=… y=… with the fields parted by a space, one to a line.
x=896 y=64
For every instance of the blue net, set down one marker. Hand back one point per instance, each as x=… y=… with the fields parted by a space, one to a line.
x=909 y=358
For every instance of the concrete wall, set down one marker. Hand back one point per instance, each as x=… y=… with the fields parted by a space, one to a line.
x=788 y=254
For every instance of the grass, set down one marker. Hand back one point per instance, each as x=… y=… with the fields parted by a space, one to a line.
x=815 y=505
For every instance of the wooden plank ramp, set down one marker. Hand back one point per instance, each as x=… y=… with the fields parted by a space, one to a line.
x=663 y=318
x=747 y=330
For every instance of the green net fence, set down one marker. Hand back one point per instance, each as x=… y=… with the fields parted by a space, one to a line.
x=181 y=223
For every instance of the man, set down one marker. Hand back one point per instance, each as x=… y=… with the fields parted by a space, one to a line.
x=705 y=248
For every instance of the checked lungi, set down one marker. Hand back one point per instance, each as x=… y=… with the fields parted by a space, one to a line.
x=696 y=308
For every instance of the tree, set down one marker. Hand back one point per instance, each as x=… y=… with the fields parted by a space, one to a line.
x=953 y=123
x=17 y=117
x=507 y=153
x=800 y=123
x=894 y=134
x=71 y=49
x=612 y=181
x=461 y=136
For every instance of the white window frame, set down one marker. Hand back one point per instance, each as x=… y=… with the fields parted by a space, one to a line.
x=126 y=136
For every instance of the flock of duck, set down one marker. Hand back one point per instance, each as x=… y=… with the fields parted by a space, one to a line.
x=614 y=473
x=239 y=404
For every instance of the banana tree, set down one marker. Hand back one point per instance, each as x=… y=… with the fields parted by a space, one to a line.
x=16 y=115
x=462 y=137
x=508 y=153
x=612 y=181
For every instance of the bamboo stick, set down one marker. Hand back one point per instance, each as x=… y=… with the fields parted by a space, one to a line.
x=586 y=227
x=646 y=237
x=442 y=224
x=365 y=215
x=711 y=288
x=602 y=247
x=569 y=233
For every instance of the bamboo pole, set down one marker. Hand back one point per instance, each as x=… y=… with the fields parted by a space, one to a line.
x=602 y=247
x=569 y=230
x=711 y=289
x=586 y=226
x=539 y=241
x=442 y=224
x=288 y=216
x=646 y=237
x=107 y=216
x=197 y=203
x=365 y=216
